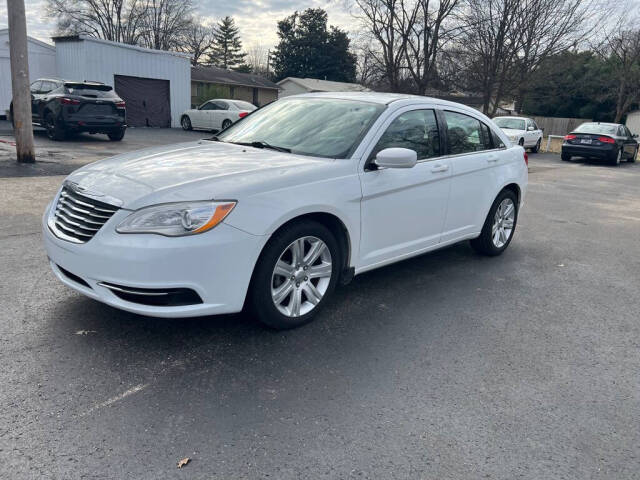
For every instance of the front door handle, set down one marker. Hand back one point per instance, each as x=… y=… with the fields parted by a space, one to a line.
x=440 y=168
x=492 y=158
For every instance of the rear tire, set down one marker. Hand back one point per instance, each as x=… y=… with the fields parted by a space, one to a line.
x=268 y=286
x=565 y=157
x=116 y=136
x=615 y=161
x=186 y=123
x=55 y=131
x=226 y=124
x=521 y=142
x=499 y=226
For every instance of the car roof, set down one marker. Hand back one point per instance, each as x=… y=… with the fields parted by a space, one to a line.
x=380 y=98
x=602 y=123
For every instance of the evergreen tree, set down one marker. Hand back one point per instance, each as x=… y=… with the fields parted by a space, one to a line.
x=308 y=48
x=226 y=51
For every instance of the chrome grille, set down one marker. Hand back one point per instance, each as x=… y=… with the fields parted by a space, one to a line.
x=80 y=217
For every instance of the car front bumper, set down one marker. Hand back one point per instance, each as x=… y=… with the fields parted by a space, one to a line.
x=217 y=265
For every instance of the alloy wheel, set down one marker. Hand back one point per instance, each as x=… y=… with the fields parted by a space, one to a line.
x=503 y=222
x=301 y=276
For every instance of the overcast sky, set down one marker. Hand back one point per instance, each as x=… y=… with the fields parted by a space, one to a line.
x=256 y=19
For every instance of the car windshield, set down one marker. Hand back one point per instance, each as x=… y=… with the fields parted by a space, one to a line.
x=512 y=123
x=240 y=105
x=91 y=91
x=597 y=128
x=322 y=127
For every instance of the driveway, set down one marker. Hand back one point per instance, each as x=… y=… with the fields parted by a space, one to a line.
x=445 y=366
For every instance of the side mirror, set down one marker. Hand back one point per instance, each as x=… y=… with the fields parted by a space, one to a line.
x=530 y=129
x=635 y=135
x=396 y=158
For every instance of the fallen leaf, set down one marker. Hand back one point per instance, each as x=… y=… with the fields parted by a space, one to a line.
x=560 y=265
x=85 y=332
x=183 y=462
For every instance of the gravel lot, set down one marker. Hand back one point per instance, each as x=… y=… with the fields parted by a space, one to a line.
x=446 y=366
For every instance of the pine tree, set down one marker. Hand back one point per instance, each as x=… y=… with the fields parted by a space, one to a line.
x=310 y=48
x=226 y=51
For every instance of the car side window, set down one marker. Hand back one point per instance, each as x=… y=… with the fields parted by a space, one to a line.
x=47 y=86
x=416 y=130
x=464 y=133
x=486 y=136
x=621 y=131
x=221 y=106
x=36 y=86
x=535 y=125
x=627 y=132
x=208 y=106
x=496 y=141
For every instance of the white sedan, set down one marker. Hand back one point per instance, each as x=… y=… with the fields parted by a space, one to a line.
x=522 y=131
x=280 y=208
x=216 y=114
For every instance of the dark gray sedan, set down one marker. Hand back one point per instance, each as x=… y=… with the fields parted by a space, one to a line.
x=607 y=141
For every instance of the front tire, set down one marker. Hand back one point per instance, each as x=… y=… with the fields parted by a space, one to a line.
x=55 y=131
x=536 y=149
x=295 y=275
x=499 y=226
x=186 y=123
x=633 y=157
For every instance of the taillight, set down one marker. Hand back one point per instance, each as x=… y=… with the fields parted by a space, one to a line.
x=606 y=140
x=243 y=114
x=120 y=104
x=569 y=137
x=526 y=158
x=69 y=101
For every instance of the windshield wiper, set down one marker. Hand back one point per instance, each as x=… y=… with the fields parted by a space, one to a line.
x=262 y=144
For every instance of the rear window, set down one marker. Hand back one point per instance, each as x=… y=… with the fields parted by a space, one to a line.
x=91 y=91
x=597 y=128
x=240 y=105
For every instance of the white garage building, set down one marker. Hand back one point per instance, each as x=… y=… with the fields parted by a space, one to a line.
x=42 y=63
x=155 y=84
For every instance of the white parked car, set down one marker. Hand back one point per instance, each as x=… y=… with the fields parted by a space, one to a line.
x=522 y=131
x=216 y=114
x=278 y=209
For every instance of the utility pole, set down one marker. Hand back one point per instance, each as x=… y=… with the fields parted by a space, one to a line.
x=23 y=129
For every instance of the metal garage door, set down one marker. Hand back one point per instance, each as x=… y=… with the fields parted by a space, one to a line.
x=147 y=99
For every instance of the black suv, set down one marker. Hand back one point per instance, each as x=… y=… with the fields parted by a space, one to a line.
x=63 y=107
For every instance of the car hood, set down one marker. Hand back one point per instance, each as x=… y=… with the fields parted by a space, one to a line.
x=191 y=171
x=513 y=131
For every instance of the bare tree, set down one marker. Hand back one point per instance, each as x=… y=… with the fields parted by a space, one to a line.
x=547 y=27
x=197 y=40
x=426 y=37
x=622 y=51
x=116 y=20
x=490 y=45
x=258 y=58
x=390 y=23
x=165 y=23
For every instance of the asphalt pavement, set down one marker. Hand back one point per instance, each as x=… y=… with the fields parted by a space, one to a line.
x=445 y=366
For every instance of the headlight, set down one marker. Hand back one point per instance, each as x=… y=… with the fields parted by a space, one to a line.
x=177 y=219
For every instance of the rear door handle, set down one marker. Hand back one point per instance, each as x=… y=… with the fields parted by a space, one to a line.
x=440 y=168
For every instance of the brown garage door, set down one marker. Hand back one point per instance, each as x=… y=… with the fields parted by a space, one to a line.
x=147 y=99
